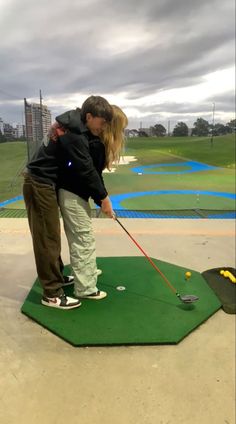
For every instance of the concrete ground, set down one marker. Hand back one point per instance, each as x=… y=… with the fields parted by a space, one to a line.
x=46 y=380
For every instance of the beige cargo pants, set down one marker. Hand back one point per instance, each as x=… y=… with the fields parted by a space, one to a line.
x=76 y=214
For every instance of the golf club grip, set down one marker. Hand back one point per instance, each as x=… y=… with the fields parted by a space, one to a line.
x=149 y=259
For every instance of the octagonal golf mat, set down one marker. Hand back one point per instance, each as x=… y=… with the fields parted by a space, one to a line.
x=139 y=309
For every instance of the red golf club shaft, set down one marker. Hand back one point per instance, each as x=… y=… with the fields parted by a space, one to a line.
x=149 y=259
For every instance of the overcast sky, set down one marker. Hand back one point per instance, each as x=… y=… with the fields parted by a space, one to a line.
x=160 y=60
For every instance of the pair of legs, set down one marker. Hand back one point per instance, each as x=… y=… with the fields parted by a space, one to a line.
x=76 y=215
x=43 y=216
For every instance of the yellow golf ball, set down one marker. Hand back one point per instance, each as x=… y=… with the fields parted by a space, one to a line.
x=188 y=274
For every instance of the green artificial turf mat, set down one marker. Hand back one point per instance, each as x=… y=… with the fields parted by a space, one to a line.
x=224 y=289
x=146 y=312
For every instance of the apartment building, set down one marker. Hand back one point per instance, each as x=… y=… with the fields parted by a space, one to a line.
x=37 y=123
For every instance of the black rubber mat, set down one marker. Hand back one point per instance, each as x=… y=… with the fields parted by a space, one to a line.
x=224 y=289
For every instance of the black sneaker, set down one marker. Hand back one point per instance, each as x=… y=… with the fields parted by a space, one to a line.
x=61 y=302
x=68 y=280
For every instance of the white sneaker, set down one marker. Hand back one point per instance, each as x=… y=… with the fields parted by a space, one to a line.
x=61 y=302
x=96 y=296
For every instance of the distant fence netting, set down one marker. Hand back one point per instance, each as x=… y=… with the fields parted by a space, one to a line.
x=161 y=214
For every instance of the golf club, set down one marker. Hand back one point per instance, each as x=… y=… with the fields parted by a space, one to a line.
x=188 y=298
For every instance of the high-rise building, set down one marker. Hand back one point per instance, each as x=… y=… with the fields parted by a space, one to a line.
x=20 y=130
x=37 y=123
x=8 y=131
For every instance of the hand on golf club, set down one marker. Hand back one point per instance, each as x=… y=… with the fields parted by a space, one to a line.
x=106 y=207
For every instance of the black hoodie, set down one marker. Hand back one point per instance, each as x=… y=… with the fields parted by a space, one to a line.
x=75 y=162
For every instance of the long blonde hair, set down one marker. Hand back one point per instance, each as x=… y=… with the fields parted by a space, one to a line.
x=113 y=136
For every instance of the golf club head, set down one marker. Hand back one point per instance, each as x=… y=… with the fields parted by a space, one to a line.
x=188 y=298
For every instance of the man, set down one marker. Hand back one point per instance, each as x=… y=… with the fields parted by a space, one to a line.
x=40 y=197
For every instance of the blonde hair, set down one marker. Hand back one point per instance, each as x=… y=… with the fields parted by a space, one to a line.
x=113 y=136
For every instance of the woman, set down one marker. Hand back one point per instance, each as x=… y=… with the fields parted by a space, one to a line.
x=74 y=195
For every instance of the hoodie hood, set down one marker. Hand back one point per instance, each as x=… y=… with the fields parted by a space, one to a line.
x=71 y=120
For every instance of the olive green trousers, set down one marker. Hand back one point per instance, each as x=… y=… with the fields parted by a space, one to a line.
x=43 y=216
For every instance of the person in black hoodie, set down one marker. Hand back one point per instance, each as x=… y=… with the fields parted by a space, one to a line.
x=77 y=183
x=39 y=190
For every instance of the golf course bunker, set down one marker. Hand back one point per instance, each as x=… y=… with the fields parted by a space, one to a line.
x=144 y=311
x=124 y=160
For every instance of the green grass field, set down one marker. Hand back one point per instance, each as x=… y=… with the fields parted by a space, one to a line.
x=170 y=150
x=13 y=156
x=149 y=151
x=221 y=153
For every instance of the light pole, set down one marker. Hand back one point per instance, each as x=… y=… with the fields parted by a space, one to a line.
x=213 y=123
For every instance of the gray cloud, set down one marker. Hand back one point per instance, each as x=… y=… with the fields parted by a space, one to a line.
x=108 y=47
x=223 y=103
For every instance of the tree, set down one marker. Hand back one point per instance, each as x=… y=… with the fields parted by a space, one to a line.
x=158 y=130
x=2 y=137
x=142 y=133
x=180 y=130
x=231 y=125
x=219 y=129
x=201 y=127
